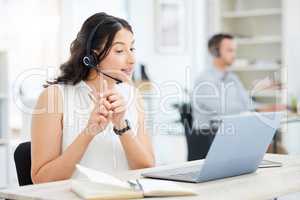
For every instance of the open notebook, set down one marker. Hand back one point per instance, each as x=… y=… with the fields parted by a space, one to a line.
x=99 y=185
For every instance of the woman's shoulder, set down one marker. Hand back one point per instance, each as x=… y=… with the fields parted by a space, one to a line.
x=51 y=99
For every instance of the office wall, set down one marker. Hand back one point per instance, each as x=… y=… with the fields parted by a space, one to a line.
x=29 y=38
x=29 y=33
x=291 y=138
x=74 y=12
x=169 y=66
x=169 y=69
x=292 y=44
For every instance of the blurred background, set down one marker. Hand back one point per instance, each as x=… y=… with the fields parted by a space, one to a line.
x=171 y=41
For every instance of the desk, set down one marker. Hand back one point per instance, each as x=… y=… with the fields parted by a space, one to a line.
x=291 y=118
x=263 y=184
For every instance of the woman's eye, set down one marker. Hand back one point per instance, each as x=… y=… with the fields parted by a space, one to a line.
x=119 y=51
x=132 y=49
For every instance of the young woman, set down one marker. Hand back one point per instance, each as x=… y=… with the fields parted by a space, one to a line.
x=84 y=116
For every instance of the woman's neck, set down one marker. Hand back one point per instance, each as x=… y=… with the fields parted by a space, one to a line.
x=96 y=82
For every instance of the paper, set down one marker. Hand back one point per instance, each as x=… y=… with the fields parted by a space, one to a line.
x=99 y=177
x=152 y=188
x=104 y=186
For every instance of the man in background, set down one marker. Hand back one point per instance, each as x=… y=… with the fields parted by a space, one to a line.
x=218 y=91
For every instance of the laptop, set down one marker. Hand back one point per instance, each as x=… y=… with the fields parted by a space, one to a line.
x=238 y=148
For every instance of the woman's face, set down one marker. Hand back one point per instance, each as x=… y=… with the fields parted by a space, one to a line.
x=120 y=60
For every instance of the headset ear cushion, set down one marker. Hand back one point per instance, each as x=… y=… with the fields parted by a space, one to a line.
x=95 y=59
x=86 y=60
x=90 y=60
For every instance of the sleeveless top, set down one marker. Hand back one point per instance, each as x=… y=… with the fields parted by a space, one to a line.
x=105 y=152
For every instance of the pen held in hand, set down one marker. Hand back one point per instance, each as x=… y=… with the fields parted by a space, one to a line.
x=92 y=98
x=110 y=113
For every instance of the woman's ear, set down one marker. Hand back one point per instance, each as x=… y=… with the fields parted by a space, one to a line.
x=96 y=57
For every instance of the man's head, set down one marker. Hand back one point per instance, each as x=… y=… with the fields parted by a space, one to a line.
x=222 y=47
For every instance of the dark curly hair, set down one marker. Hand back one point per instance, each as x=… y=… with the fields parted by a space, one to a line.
x=73 y=71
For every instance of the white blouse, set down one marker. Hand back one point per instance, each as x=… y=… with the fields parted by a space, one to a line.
x=105 y=152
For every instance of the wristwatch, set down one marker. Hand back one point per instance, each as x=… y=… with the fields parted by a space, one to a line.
x=123 y=130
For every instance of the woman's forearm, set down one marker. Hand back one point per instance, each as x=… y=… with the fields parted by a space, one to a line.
x=63 y=166
x=138 y=156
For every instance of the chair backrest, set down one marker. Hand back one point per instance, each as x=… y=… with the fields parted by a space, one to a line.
x=186 y=117
x=198 y=141
x=22 y=156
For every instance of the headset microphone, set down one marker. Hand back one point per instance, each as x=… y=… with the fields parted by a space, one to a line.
x=118 y=81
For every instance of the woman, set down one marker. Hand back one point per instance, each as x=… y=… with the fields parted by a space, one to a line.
x=84 y=115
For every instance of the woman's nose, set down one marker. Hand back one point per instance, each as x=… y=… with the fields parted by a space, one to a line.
x=131 y=58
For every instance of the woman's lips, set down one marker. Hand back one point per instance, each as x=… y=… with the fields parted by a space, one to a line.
x=127 y=71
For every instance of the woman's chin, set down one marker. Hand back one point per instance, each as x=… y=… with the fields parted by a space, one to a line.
x=126 y=77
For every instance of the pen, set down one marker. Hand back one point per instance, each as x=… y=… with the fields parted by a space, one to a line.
x=92 y=97
x=136 y=185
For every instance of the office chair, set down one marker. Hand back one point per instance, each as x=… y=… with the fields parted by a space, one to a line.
x=198 y=141
x=22 y=157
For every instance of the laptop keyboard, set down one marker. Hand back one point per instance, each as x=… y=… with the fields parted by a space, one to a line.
x=192 y=172
x=184 y=172
x=188 y=175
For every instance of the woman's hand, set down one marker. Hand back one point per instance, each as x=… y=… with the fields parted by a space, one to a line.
x=117 y=106
x=100 y=115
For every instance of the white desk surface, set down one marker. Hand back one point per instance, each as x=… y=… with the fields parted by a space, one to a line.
x=263 y=184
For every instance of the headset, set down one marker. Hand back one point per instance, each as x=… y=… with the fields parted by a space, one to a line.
x=215 y=51
x=90 y=60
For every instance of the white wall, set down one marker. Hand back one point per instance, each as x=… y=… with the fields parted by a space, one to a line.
x=291 y=31
x=74 y=12
x=164 y=67
x=292 y=44
x=179 y=69
x=30 y=31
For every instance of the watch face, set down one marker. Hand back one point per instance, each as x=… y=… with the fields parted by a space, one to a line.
x=123 y=130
